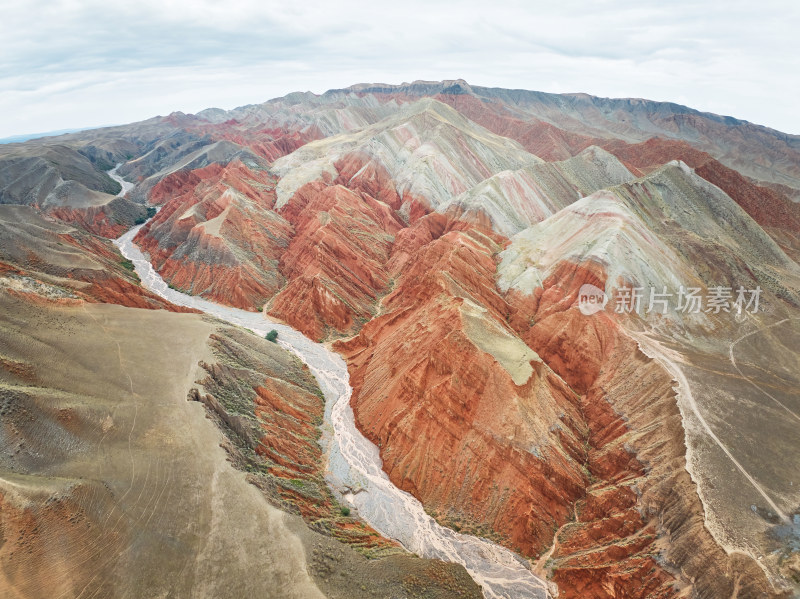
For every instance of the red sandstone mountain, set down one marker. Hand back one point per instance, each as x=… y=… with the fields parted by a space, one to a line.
x=440 y=233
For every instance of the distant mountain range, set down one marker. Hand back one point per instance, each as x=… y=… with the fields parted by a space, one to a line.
x=26 y=136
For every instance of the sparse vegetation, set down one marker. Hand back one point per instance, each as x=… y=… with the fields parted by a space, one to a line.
x=127 y=264
x=345 y=511
x=272 y=335
x=150 y=212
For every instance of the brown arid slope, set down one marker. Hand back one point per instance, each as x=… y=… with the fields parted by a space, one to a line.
x=68 y=182
x=40 y=254
x=108 y=220
x=112 y=484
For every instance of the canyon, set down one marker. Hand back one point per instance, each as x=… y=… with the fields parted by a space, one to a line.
x=422 y=249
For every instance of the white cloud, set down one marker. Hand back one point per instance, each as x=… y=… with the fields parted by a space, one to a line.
x=73 y=63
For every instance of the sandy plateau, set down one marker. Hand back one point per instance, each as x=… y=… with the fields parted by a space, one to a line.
x=108 y=381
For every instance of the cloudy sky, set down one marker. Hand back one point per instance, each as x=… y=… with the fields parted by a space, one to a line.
x=79 y=63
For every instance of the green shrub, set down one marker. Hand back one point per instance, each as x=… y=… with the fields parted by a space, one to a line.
x=272 y=335
x=345 y=511
x=150 y=212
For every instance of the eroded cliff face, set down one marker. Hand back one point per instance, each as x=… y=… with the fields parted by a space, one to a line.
x=217 y=235
x=335 y=261
x=317 y=262
x=492 y=440
x=467 y=418
x=519 y=417
x=638 y=530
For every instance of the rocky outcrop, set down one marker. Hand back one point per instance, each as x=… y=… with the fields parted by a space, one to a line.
x=271 y=407
x=268 y=142
x=110 y=219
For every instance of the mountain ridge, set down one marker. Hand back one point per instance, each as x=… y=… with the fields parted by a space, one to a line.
x=439 y=236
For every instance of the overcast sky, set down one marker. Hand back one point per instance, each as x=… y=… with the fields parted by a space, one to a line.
x=78 y=63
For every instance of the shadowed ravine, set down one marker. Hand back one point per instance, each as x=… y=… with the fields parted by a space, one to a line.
x=354 y=462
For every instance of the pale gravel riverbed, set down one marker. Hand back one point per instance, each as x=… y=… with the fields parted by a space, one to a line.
x=353 y=461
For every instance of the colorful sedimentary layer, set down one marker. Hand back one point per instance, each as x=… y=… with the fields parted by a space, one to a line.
x=469 y=437
x=317 y=262
x=639 y=492
x=445 y=230
x=334 y=262
x=523 y=434
x=217 y=235
x=489 y=464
